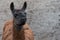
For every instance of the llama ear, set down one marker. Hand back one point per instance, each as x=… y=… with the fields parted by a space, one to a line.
x=12 y=6
x=24 y=6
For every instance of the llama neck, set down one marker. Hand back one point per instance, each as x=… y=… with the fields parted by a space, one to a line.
x=18 y=28
x=18 y=35
x=18 y=32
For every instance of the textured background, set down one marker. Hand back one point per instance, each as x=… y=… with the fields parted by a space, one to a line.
x=43 y=17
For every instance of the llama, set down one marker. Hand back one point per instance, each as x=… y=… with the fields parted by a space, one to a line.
x=17 y=28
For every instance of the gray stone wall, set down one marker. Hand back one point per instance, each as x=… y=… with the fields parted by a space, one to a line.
x=43 y=17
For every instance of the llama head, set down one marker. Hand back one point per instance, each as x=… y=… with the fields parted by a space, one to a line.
x=19 y=15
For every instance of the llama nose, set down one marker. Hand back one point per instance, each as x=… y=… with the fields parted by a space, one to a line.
x=23 y=18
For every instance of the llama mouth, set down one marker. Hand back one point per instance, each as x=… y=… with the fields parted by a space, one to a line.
x=20 y=24
x=18 y=28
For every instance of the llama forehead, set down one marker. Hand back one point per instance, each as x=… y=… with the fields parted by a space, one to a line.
x=18 y=11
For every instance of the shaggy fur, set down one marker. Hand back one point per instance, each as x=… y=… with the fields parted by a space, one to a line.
x=9 y=32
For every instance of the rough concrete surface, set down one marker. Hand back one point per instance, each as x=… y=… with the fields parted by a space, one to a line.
x=43 y=17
